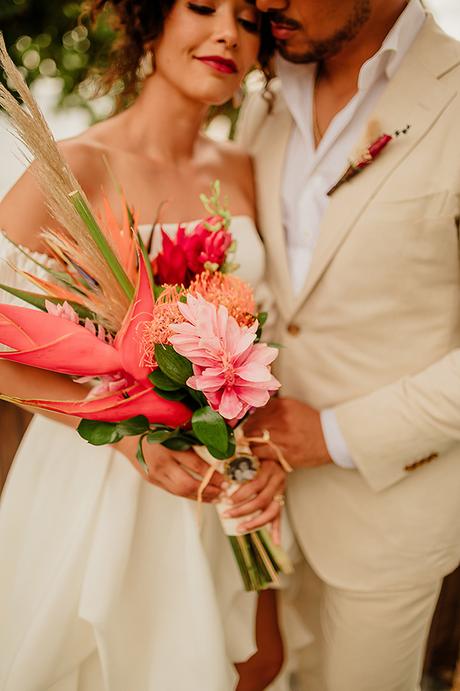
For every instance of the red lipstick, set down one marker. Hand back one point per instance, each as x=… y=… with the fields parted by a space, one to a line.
x=218 y=63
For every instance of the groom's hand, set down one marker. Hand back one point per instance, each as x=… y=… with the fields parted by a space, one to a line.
x=295 y=428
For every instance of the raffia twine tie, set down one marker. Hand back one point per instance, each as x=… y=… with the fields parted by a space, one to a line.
x=243 y=445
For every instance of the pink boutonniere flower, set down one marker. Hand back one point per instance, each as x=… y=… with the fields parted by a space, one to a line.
x=367 y=157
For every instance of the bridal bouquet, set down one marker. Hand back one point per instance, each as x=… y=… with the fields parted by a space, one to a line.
x=170 y=347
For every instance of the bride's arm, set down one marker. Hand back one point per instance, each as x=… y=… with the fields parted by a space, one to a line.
x=23 y=213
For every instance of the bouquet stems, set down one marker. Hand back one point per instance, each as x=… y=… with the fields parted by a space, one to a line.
x=259 y=559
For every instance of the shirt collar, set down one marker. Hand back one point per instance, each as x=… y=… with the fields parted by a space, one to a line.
x=395 y=46
x=385 y=62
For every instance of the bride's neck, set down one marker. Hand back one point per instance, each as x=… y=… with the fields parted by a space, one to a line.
x=163 y=124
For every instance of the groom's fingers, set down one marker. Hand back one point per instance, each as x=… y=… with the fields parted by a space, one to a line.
x=263 y=452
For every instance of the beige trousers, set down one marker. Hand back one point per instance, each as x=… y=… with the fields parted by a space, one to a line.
x=364 y=641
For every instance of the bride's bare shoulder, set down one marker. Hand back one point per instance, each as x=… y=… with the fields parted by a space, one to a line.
x=23 y=210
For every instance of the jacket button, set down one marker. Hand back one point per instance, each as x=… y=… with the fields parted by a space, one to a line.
x=293 y=329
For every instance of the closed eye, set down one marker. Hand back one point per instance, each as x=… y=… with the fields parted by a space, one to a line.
x=251 y=27
x=200 y=9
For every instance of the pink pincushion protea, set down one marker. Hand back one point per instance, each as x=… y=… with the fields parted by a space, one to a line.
x=227 y=290
x=229 y=368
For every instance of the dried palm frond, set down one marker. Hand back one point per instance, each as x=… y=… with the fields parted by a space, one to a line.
x=87 y=244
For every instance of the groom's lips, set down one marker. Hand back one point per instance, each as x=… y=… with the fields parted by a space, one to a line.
x=283 y=30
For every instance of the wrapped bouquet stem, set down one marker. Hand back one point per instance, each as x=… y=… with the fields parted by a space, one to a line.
x=259 y=558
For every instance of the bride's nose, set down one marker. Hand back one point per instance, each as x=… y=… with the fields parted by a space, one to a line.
x=227 y=31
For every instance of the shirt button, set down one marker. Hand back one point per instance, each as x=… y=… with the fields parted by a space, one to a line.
x=293 y=329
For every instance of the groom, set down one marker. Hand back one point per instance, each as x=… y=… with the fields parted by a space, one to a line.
x=367 y=282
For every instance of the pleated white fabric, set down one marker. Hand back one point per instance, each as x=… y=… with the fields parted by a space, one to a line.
x=106 y=582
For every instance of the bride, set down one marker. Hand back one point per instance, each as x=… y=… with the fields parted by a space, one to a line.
x=106 y=582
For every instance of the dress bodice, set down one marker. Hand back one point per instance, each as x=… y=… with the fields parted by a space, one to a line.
x=249 y=256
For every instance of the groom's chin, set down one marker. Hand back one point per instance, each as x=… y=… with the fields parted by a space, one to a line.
x=291 y=54
x=307 y=54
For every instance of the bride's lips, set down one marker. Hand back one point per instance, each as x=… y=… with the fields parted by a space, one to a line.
x=218 y=63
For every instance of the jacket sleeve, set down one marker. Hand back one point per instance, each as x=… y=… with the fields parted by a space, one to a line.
x=398 y=428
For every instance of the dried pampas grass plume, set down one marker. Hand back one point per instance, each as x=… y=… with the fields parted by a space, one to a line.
x=61 y=190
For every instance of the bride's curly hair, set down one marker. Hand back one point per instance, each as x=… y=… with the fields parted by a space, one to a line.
x=137 y=23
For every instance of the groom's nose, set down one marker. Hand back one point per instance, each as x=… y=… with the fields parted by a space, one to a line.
x=272 y=5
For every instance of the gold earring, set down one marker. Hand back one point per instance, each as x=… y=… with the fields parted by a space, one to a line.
x=147 y=64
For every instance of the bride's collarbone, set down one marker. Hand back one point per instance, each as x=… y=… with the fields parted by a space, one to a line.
x=151 y=185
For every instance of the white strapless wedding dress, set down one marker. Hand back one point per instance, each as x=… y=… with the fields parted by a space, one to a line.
x=106 y=582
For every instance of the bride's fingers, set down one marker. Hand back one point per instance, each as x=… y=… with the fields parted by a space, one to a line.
x=267 y=516
x=190 y=460
x=249 y=489
x=246 y=491
x=260 y=501
x=179 y=482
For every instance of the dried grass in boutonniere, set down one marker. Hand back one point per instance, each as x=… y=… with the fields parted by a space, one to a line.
x=368 y=155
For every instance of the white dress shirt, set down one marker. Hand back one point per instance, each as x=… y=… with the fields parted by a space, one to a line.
x=309 y=173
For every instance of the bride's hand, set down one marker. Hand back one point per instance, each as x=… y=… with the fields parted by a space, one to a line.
x=170 y=470
x=264 y=494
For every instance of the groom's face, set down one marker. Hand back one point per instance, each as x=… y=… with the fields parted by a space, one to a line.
x=313 y=30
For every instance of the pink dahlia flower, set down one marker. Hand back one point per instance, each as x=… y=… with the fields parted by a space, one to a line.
x=228 y=367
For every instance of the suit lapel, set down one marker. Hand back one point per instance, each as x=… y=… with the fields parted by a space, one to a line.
x=414 y=96
x=269 y=150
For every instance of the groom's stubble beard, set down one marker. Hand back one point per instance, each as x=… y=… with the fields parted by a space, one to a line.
x=320 y=50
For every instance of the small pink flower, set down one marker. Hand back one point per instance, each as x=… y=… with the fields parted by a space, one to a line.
x=215 y=247
x=64 y=311
x=229 y=368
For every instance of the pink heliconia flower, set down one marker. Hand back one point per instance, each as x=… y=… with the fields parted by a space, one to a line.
x=57 y=343
x=229 y=368
x=119 y=405
x=187 y=254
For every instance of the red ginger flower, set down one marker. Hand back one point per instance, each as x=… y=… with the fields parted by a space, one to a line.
x=190 y=253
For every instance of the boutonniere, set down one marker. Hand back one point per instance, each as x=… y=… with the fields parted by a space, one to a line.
x=368 y=156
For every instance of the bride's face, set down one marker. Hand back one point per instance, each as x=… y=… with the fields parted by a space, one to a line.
x=207 y=47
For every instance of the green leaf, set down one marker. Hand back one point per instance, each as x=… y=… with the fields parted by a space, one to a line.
x=98 y=433
x=172 y=395
x=262 y=318
x=177 y=444
x=133 y=426
x=38 y=300
x=211 y=429
x=103 y=245
x=140 y=455
x=175 y=366
x=161 y=381
x=198 y=397
x=148 y=265
x=159 y=436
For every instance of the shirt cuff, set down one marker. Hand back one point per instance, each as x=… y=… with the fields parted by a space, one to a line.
x=336 y=444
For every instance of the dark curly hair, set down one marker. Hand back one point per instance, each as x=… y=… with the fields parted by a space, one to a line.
x=136 y=24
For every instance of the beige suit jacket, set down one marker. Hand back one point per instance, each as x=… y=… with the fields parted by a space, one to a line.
x=375 y=332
